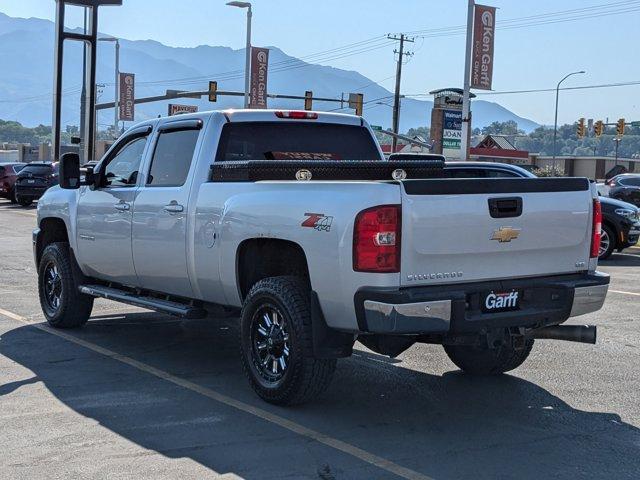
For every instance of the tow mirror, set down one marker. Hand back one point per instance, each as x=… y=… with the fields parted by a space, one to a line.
x=69 y=171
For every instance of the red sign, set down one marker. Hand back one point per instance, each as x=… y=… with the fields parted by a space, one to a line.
x=127 y=96
x=259 y=67
x=484 y=28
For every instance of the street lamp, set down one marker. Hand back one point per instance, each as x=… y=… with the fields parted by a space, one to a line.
x=247 y=66
x=555 y=123
x=116 y=98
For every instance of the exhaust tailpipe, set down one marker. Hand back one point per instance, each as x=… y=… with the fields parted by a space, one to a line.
x=569 y=333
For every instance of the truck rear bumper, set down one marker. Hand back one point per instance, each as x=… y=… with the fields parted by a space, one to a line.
x=457 y=309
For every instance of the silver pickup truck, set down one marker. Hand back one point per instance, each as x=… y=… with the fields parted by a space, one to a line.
x=297 y=221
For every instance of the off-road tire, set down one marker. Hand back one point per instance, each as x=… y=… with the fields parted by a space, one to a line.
x=480 y=360
x=612 y=242
x=306 y=376
x=74 y=307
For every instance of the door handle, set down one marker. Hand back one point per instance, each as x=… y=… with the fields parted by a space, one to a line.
x=122 y=206
x=173 y=208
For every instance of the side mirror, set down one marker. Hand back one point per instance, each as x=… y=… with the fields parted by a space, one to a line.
x=69 y=171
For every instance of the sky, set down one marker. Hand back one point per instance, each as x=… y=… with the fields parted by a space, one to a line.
x=534 y=45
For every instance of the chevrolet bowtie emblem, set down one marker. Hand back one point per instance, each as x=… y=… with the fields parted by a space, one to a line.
x=506 y=234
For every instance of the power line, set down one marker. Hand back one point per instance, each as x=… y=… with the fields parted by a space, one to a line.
x=541 y=90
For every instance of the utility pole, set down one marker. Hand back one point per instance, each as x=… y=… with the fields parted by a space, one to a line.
x=396 y=100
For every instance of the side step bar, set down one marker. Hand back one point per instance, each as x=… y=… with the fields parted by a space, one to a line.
x=159 y=305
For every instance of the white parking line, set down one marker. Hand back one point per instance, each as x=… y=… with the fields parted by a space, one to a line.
x=294 y=427
x=625 y=293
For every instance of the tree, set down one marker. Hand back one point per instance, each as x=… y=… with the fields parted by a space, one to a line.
x=510 y=127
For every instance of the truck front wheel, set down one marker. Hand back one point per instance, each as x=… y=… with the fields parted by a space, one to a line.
x=481 y=360
x=62 y=304
x=276 y=343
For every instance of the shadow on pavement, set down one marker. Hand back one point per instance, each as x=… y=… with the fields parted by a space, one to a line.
x=624 y=259
x=447 y=427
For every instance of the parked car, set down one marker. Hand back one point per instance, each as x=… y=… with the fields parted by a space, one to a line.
x=8 y=174
x=625 y=187
x=620 y=220
x=295 y=220
x=33 y=180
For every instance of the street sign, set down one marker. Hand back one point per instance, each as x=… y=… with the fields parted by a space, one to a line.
x=175 y=109
x=377 y=128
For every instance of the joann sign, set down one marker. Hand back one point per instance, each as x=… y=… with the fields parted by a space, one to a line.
x=451 y=132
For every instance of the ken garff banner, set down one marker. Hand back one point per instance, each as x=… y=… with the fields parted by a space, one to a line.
x=259 y=67
x=484 y=27
x=127 y=96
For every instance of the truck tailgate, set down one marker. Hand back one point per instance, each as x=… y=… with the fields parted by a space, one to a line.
x=462 y=230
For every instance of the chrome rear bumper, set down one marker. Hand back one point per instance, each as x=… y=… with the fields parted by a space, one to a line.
x=588 y=299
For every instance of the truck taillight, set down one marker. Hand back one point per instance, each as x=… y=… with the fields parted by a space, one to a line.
x=297 y=115
x=376 y=240
x=596 y=231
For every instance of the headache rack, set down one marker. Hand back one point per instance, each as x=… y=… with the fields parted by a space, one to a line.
x=303 y=170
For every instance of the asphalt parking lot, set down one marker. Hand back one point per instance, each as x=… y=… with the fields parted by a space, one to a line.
x=136 y=394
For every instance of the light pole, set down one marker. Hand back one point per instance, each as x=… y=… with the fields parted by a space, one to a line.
x=247 y=66
x=116 y=98
x=555 y=123
x=617 y=140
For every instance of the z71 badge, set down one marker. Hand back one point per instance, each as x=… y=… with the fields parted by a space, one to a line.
x=318 y=221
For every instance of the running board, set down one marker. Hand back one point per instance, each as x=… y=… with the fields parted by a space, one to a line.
x=159 y=305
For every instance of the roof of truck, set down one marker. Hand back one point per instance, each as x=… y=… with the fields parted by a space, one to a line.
x=271 y=115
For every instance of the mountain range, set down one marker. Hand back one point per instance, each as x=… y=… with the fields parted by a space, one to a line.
x=26 y=79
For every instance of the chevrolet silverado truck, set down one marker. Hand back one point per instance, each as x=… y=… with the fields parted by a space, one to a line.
x=295 y=220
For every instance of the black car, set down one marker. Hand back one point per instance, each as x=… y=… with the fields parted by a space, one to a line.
x=620 y=220
x=33 y=180
x=625 y=187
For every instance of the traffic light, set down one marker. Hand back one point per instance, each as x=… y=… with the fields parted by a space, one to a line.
x=355 y=101
x=598 y=128
x=308 y=100
x=213 y=91
x=620 y=127
x=581 y=128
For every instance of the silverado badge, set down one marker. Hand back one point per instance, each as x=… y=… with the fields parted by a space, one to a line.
x=506 y=234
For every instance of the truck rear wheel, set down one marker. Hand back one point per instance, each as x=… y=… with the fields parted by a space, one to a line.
x=276 y=343
x=62 y=304
x=478 y=360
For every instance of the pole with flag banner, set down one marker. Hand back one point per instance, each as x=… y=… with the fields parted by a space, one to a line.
x=478 y=66
x=259 y=69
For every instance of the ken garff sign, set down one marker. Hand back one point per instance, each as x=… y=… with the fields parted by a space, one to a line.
x=127 y=96
x=259 y=68
x=484 y=27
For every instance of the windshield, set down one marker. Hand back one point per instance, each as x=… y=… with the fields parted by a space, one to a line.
x=295 y=141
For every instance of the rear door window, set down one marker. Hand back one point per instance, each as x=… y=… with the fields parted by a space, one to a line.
x=172 y=158
x=295 y=141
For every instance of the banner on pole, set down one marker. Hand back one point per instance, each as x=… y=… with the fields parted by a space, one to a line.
x=259 y=67
x=127 y=97
x=484 y=27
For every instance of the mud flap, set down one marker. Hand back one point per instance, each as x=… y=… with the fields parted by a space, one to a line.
x=328 y=342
